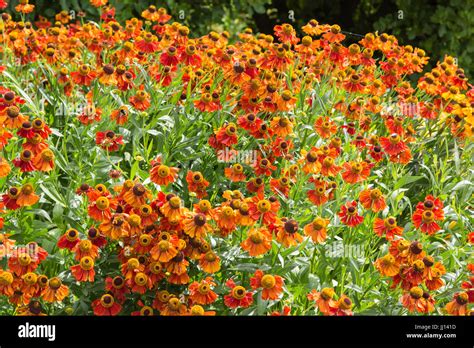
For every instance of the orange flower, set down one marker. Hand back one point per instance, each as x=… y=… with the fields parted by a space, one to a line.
x=4 y=167
x=44 y=161
x=235 y=173
x=140 y=283
x=120 y=115
x=349 y=215
x=287 y=232
x=393 y=145
x=310 y=162
x=263 y=209
x=372 y=199
x=344 y=305
x=22 y=262
x=85 y=248
x=106 y=306
x=137 y=195
x=355 y=171
x=433 y=273
x=196 y=226
x=325 y=127
x=174 y=307
x=319 y=195
x=24 y=7
x=210 y=262
x=129 y=269
x=328 y=167
x=197 y=183
x=324 y=300
x=201 y=292
x=387 y=265
x=84 y=271
x=458 y=306
x=226 y=219
x=173 y=209
x=55 y=291
x=197 y=310
x=272 y=285
x=98 y=3
x=116 y=227
x=387 y=227
x=84 y=76
x=100 y=208
x=238 y=296
x=258 y=242
x=27 y=196
x=161 y=174
x=164 y=251
x=6 y=281
x=317 y=229
x=414 y=300
x=141 y=100
x=281 y=126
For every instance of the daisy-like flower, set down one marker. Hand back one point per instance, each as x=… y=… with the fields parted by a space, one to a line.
x=287 y=232
x=393 y=145
x=235 y=173
x=198 y=310
x=258 y=242
x=196 y=226
x=109 y=141
x=349 y=215
x=272 y=285
x=343 y=306
x=173 y=209
x=324 y=300
x=387 y=227
x=355 y=172
x=201 y=292
x=161 y=174
x=54 y=291
x=210 y=262
x=317 y=229
x=325 y=127
x=197 y=183
x=69 y=239
x=106 y=306
x=427 y=214
x=414 y=301
x=372 y=199
x=387 y=265
x=84 y=271
x=238 y=296
x=319 y=195
x=164 y=250
x=263 y=209
x=458 y=305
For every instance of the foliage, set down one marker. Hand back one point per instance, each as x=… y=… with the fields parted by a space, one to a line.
x=180 y=113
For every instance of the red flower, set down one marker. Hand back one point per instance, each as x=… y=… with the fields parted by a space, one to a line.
x=108 y=140
x=349 y=215
x=69 y=239
x=393 y=145
x=106 y=306
x=169 y=57
x=238 y=296
x=387 y=227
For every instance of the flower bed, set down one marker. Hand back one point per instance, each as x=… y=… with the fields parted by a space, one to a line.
x=145 y=171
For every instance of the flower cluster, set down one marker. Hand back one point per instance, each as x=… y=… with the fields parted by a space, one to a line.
x=153 y=223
